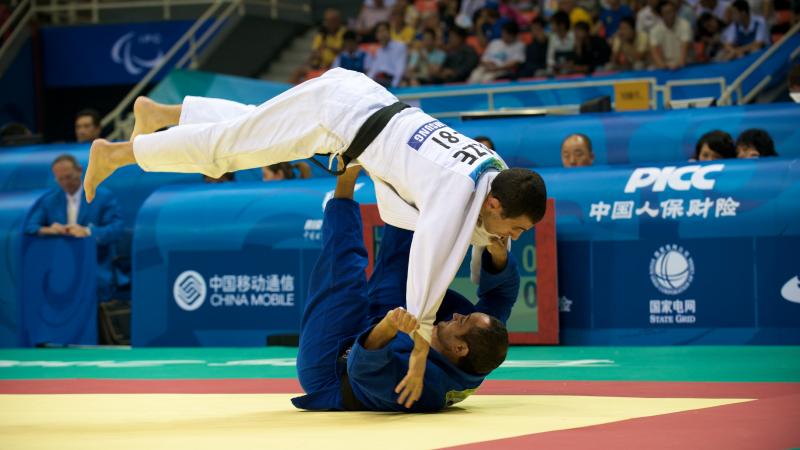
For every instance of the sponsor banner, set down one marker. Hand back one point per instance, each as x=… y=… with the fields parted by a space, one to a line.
x=778 y=259
x=94 y=55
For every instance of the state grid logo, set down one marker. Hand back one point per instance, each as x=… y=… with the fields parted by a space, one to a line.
x=671 y=269
x=189 y=290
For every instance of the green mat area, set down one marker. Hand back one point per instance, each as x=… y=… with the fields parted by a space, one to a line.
x=733 y=364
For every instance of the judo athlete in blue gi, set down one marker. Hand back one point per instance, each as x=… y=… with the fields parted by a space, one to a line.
x=354 y=347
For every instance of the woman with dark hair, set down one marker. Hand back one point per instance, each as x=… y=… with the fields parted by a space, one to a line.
x=714 y=145
x=285 y=171
x=755 y=143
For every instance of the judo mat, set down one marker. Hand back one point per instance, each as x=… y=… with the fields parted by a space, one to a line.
x=542 y=397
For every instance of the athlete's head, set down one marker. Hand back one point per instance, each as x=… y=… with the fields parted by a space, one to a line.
x=515 y=204
x=476 y=343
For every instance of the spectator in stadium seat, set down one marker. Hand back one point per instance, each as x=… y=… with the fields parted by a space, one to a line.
x=425 y=60
x=612 y=14
x=460 y=60
x=708 y=39
x=326 y=45
x=794 y=83
x=87 y=125
x=574 y=12
x=561 y=47
x=486 y=141
x=352 y=57
x=755 y=143
x=286 y=171
x=489 y=25
x=536 y=51
x=591 y=52
x=372 y=13
x=576 y=151
x=12 y=131
x=398 y=29
x=502 y=57
x=64 y=212
x=647 y=18
x=717 y=8
x=714 y=145
x=389 y=64
x=746 y=33
x=670 y=39
x=628 y=47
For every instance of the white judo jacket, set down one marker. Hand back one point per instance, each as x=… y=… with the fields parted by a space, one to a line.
x=428 y=178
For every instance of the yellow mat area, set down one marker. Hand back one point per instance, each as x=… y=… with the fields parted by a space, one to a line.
x=268 y=421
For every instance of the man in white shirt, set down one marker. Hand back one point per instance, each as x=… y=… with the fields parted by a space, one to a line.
x=448 y=188
x=647 y=18
x=389 y=63
x=561 y=46
x=502 y=56
x=746 y=33
x=670 y=39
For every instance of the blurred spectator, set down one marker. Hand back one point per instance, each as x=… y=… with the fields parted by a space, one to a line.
x=628 y=47
x=647 y=18
x=536 y=51
x=486 y=141
x=489 y=26
x=590 y=51
x=561 y=47
x=612 y=14
x=755 y=143
x=746 y=33
x=64 y=212
x=372 y=13
x=424 y=61
x=576 y=151
x=794 y=83
x=224 y=178
x=714 y=145
x=12 y=131
x=389 y=64
x=669 y=40
x=410 y=13
x=574 y=12
x=460 y=60
x=327 y=44
x=717 y=8
x=468 y=10
x=398 y=29
x=352 y=57
x=285 y=171
x=87 y=125
x=708 y=39
x=502 y=57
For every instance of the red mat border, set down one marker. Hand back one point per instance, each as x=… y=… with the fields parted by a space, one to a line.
x=653 y=389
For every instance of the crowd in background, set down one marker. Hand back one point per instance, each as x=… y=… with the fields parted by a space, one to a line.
x=405 y=43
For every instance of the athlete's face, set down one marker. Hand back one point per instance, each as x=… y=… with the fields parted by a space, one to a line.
x=495 y=222
x=449 y=334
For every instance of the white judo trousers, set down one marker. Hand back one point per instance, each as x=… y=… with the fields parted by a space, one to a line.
x=428 y=177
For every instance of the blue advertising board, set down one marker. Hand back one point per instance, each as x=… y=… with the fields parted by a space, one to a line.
x=94 y=55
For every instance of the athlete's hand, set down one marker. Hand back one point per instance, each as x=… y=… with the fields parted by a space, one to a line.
x=402 y=320
x=410 y=387
x=498 y=249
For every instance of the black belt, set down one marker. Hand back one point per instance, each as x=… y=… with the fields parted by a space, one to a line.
x=349 y=400
x=366 y=134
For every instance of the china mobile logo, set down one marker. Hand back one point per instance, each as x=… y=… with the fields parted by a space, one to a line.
x=124 y=52
x=189 y=290
x=676 y=178
x=671 y=269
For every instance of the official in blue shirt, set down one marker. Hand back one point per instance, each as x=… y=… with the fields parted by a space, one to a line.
x=64 y=212
x=352 y=356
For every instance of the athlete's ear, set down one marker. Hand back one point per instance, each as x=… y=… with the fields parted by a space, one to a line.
x=493 y=204
x=460 y=349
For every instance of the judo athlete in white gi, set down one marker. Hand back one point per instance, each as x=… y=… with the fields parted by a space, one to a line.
x=448 y=188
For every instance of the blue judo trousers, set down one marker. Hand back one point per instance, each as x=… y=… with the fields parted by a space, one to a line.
x=343 y=307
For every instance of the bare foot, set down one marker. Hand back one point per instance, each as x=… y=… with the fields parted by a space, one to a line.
x=104 y=158
x=149 y=117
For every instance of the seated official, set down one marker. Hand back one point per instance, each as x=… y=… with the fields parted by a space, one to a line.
x=64 y=212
